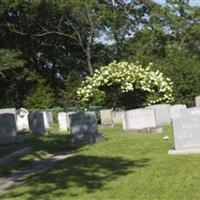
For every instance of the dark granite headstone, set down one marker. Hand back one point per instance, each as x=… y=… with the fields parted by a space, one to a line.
x=8 y=129
x=36 y=123
x=83 y=127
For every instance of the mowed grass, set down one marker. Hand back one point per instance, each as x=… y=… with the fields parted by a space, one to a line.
x=126 y=166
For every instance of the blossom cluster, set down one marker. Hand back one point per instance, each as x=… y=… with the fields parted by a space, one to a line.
x=129 y=77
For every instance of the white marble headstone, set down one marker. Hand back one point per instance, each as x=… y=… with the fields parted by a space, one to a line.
x=106 y=117
x=138 y=119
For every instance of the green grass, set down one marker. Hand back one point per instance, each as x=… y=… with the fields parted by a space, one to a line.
x=126 y=166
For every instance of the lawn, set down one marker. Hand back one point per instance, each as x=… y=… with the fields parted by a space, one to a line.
x=126 y=166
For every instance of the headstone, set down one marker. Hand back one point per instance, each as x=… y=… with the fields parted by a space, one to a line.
x=36 y=123
x=62 y=121
x=186 y=135
x=162 y=113
x=194 y=111
x=176 y=110
x=197 y=101
x=46 y=123
x=49 y=117
x=8 y=110
x=106 y=117
x=139 y=119
x=8 y=130
x=22 y=119
x=83 y=127
x=117 y=117
x=68 y=119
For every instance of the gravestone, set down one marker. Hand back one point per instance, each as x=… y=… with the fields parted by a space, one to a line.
x=8 y=110
x=197 y=101
x=8 y=129
x=62 y=121
x=176 y=110
x=194 y=111
x=162 y=113
x=22 y=119
x=117 y=117
x=106 y=117
x=36 y=123
x=68 y=119
x=46 y=123
x=186 y=135
x=49 y=117
x=139 y=119
x=83 y=127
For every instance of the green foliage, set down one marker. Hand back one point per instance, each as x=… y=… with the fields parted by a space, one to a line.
x=40 y=97
x=10 y=59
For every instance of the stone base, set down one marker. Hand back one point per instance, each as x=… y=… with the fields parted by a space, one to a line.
x=80 y=139
x=147 y=130
x=177 y=152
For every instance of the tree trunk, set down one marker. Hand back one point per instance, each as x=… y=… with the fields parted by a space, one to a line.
x=88 y=54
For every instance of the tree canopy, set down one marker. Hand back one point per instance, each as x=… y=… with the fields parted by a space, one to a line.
x=52 y=45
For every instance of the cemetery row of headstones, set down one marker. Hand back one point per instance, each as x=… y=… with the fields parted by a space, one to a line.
x=12 y=121
x=82 y=125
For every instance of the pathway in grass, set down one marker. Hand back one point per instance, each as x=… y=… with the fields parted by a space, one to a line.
x=18 y=177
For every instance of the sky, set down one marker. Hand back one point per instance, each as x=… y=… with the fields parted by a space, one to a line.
x=192 y=2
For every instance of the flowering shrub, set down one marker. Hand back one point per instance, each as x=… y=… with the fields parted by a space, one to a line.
x=129 y=77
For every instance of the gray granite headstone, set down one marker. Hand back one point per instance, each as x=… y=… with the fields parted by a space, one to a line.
x=139 y=119
x=176 y=110
x=186 y=134
x=162 y=113
x=83 y=127
x=8 y=129
x=36 y=123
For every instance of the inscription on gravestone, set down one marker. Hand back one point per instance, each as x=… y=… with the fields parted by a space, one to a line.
x=187 y=134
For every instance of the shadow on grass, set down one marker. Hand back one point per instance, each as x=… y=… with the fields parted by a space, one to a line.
x=88 y=173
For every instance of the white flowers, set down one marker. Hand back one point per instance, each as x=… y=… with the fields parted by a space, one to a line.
x=128 y=76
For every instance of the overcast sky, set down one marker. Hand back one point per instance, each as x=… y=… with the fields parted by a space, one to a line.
x=192 y=2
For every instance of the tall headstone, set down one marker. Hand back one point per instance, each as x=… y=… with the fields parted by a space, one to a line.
x=83 y=127
x=8 y=129
x=162 y=113
x=36 y=123
x=49 y=117
x=186 y=134
x=106 y=117
x=197 y=100
x=62 y=121
x=46 y=123
x=139 y=119
x=176 y=111
x=22 y=119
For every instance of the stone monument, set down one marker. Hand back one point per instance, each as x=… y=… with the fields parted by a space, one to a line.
x=36 y=123
x=83 y=127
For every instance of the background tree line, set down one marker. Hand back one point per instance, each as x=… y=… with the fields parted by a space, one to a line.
x=47 y=47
